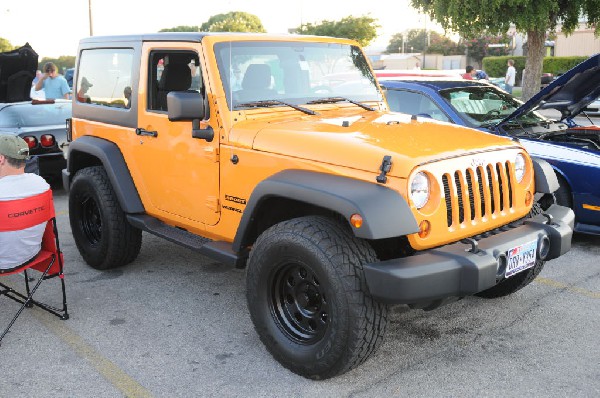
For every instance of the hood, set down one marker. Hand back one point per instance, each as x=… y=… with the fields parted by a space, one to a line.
x=569 y=94
x=17 y=70
x=361 y=141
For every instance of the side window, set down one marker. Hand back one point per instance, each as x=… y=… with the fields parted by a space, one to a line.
x=104 y=77
x=414 y=103
x=172 y=71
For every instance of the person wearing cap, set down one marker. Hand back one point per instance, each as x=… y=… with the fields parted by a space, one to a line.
x=18 y=247
x=54 y=85
x=84 y=86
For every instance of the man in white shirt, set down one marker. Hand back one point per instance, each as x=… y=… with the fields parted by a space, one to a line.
x=18 y=247
x=511 y=74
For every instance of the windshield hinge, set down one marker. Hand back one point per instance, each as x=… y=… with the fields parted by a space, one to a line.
x=211 y=153
x=385 y=167
x=212 y=202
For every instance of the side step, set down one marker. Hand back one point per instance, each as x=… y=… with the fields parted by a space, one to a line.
x=218 y=250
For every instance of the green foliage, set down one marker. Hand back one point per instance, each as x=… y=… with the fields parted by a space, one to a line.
x=235 y=21
x=478 y=48
x=472 y=18
x=496 y=66
x=63 y=62
x=362 y=29
x=5 y=45
x=439 y=44
x=558 y=65
x=182 y=28
x=415 y=40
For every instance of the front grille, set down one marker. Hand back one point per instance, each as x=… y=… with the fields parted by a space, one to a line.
x=478 y=192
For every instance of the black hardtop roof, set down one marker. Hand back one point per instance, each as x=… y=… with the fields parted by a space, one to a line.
x=179 y=36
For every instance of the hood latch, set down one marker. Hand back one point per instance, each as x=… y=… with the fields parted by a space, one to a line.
x=385 y=167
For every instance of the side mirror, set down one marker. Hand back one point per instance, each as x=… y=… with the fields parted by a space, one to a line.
x=185 y=106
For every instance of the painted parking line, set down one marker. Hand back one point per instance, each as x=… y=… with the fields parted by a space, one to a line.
x=564 y=286
x=111 y=372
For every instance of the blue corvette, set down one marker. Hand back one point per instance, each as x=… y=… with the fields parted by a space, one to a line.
x=572 y=150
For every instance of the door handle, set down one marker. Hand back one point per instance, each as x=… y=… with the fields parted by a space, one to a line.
x=141 y=131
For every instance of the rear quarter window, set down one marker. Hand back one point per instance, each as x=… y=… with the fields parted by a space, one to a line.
x=104 y=77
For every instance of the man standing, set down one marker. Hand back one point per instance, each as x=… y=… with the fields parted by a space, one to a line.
x=18 y=247
x=509 y=80
x=54 y=85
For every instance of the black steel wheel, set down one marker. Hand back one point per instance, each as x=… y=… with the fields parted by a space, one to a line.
x=102 y=234
x=308 y=299
x=299 y=303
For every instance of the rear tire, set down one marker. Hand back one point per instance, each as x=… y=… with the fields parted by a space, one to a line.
x=103 y=236
x=308 y=298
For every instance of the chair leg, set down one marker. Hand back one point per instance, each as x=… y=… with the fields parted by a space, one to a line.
x=29 y=301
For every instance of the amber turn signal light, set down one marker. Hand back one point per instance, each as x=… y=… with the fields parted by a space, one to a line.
x=356 y=220
x=424 y=229
x=528 y=198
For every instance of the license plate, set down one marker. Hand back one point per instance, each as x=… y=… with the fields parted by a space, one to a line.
x=520 y=258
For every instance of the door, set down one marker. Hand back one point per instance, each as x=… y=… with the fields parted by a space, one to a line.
x=177 y=175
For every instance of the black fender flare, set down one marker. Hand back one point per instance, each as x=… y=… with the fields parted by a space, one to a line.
x=110 y=156
x=545 y=178
x=384 y=211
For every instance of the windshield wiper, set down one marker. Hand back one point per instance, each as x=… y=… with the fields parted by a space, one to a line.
x=332 y=100
x=488 y=124
x=267 y=103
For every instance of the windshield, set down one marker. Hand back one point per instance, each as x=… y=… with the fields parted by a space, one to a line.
x=293 y=72
x=482 y=106
x=29 y=115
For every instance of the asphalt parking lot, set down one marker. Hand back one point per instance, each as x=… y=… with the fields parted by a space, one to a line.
x=175 y=324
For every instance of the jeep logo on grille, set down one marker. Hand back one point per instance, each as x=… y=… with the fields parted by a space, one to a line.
x=477 y=163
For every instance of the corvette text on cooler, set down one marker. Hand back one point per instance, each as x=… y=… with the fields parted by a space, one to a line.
x=26 y=212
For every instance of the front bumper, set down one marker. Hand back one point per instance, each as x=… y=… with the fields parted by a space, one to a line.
x=458 y=269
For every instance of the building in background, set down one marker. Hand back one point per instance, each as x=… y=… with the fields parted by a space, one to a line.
x=582 y=42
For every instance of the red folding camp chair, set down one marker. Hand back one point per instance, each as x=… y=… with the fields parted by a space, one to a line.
x=24 y=213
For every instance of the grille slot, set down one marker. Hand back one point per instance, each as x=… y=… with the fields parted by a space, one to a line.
x=488 y=189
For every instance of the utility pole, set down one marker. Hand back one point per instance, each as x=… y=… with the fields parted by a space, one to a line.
x=90 y=17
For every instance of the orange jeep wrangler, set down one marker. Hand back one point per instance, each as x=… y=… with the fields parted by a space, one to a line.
x=278 y=154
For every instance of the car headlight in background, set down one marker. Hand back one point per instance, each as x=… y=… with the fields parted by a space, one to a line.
x=419 y=189
x=519 y=167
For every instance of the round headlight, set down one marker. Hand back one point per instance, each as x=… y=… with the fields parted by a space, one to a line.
x=419 y=190
x=519 y=167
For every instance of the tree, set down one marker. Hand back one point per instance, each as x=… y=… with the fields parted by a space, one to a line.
x=417 y=40
x=534 y=17
x=362 y=29
x=5 y=45
x=235 y=21
x=479 y=48
x=182 y=28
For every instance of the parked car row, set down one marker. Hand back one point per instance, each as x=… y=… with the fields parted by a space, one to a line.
x=571 y=149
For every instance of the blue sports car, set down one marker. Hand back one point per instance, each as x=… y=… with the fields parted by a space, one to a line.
x=572 y=150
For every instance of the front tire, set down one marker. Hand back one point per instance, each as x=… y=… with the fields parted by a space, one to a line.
x=308 y=299
x=103 y=236
x=563 y=194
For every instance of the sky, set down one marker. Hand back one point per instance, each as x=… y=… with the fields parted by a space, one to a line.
x=54 y=28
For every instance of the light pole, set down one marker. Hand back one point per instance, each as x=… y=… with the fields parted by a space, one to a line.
x=90 y=17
